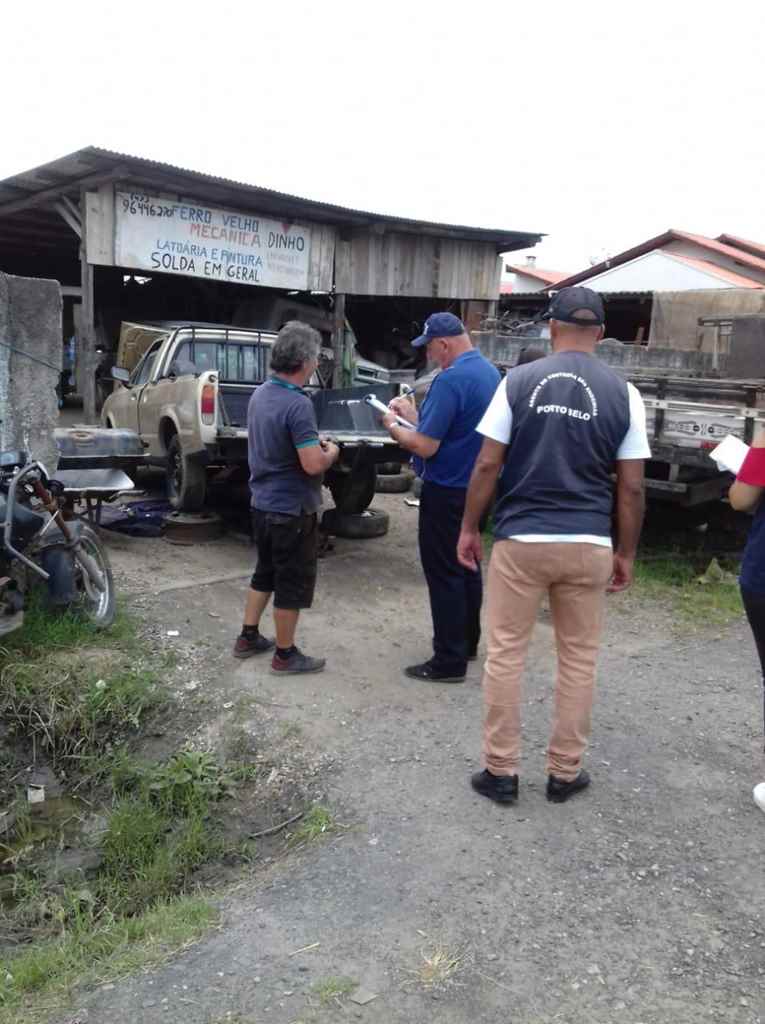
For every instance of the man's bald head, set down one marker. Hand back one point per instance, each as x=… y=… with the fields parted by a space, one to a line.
x=577 y=336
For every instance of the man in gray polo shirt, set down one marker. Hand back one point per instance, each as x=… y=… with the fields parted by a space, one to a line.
x=556 y=429
x=287 y=462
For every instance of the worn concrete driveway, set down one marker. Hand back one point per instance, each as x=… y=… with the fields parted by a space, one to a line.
x=641 y=901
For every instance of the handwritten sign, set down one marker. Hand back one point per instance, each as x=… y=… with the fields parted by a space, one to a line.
x=160 y=236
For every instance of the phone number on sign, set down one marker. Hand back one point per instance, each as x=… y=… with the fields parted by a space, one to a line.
x=141 y=206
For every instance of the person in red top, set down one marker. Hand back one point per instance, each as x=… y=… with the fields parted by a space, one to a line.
x=746 y=496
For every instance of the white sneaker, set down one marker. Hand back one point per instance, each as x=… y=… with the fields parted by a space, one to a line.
x=759 y=795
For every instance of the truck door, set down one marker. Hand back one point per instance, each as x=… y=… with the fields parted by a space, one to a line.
x=158 y=394
x=139 y=383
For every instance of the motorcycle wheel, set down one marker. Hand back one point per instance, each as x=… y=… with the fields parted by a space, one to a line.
x=99 y=606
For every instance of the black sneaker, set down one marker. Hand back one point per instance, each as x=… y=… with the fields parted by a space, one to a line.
x=427 y=672
x=558 y=791
x=246 y=647
x=297 y=664
x=503 y=789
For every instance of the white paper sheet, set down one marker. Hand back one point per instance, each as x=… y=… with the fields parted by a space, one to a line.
x=729 y=454
x=383 y=409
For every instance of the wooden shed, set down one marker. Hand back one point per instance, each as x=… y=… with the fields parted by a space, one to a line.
x=130 y=238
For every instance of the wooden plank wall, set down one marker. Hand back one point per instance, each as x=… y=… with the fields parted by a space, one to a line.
x=468 y=270
x=372 y=263
x=99 y=226
x=321 y=265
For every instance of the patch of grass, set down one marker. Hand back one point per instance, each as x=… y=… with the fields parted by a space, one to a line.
x=42 y=977
x=44 y=631
x=438 y=965
x=332 y=990
x=317 y=822
x=71 y=708
x=244 y=771
x=188 y=782
x=149 y=857
x=695 y=595
x=71 y=690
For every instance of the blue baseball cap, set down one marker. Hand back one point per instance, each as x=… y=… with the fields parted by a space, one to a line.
x=440 y=325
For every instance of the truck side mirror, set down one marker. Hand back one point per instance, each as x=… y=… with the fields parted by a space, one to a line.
x=118 y=374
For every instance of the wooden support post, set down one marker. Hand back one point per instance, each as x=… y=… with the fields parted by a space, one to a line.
x=338 y=342
x=86 y=341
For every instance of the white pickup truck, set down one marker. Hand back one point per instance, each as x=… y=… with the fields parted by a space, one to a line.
x=187 y=400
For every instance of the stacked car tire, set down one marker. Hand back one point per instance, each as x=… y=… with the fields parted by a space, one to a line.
x=393 y=478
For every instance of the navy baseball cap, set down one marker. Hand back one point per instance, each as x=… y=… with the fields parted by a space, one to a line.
x=440 y=325
x=580 y=306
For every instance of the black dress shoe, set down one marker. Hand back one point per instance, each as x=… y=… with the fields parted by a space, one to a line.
x=559 y=791
x=503 y=789
x=430 y=674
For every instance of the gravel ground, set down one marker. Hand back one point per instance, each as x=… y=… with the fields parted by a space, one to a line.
x=640 y=901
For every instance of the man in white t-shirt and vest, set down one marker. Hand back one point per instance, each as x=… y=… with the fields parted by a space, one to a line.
x=557 y=429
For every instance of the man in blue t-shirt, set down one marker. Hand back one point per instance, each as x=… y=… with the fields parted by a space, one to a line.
x=445 y=439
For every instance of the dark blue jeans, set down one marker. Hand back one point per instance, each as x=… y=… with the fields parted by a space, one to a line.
x=455 y=593
x=754 y=606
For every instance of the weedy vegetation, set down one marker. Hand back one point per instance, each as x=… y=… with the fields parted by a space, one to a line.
x=76 y=700
x=333 y=990
x=700 y=590
x=317 y=822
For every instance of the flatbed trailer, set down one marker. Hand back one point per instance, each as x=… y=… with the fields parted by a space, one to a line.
x=686 y=417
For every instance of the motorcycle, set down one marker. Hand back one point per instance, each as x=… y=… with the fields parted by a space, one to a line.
x=42 y=541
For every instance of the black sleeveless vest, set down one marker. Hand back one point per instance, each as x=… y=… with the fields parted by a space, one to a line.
x=570 y=414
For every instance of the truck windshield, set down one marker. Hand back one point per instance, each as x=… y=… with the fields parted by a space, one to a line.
x=239 y=362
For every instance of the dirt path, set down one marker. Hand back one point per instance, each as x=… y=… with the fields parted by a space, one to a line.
x=642 y=901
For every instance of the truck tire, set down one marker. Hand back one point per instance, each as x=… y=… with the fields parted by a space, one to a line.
x=417 y=486
x=353 y=492
x=186 y=480
x=393 y=483
x=390 y=468
x=371 y=523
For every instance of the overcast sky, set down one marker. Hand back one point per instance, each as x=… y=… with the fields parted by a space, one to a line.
x=600 y=124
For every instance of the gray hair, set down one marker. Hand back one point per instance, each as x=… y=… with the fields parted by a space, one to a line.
x=296 y=344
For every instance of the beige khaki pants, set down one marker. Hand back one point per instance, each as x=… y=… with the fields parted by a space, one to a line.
x=575 y=577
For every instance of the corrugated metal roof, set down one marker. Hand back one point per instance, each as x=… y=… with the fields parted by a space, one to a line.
x=67 y=173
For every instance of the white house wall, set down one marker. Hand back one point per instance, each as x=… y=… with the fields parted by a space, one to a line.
x=523 y=284
x=654 y=272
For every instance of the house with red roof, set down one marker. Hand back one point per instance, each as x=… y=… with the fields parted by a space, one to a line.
x=676 y=261
x=656 y=292
x=529 y=278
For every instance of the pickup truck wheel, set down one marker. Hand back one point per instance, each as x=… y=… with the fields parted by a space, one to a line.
x=393 y=483
x=353 y=492
x=371 y=523
x=186 y=480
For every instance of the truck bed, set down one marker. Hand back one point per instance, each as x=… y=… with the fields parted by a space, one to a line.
x=341 y=413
